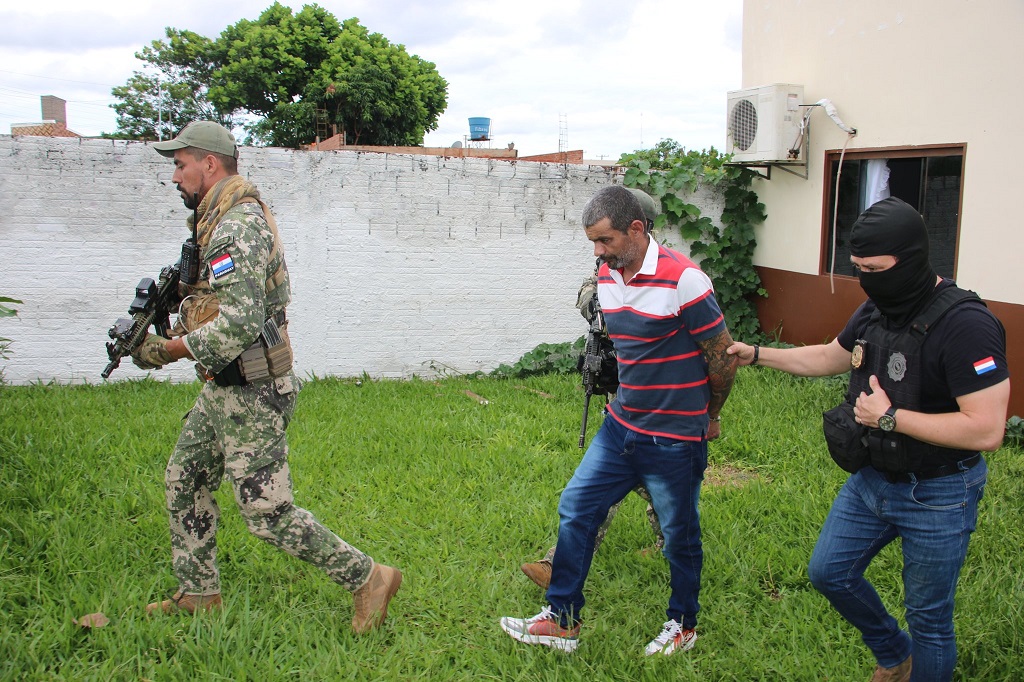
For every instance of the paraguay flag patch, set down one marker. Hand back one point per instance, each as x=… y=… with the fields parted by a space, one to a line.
x=985 y=365
x=222 y=265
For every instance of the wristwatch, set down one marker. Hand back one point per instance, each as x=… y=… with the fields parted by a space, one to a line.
x=887 y=422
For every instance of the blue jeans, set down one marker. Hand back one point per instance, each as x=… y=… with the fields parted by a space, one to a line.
x=935 y=519
x=616 y=461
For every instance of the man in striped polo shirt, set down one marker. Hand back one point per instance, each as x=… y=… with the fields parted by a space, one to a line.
x=675 y=375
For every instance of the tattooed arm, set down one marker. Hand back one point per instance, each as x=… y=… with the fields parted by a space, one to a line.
x=721 y=373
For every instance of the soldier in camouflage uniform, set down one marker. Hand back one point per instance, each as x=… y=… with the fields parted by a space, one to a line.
x=540 y=571
x=233 y=324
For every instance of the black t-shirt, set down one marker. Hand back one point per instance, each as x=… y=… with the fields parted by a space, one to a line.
x=963 y=353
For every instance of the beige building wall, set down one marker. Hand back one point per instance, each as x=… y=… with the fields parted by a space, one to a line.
x=910 y=72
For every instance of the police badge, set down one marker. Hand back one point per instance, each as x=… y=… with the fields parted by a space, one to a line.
x=897 y=366
x=857 y=357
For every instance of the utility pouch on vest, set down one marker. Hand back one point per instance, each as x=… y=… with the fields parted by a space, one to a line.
x=277 y=347
x=270 y=355
x=253 y=363
x=890 y=452
x=846 y=439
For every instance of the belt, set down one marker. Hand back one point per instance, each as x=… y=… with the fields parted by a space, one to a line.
x=944 y=470
x=232 y=375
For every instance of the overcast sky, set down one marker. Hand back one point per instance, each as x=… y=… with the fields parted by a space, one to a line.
x=618 y=76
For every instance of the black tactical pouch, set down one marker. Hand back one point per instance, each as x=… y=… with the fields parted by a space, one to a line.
x=846 y=439
x=230 y=375
x=892 y=453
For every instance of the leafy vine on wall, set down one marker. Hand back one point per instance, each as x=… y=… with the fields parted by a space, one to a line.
x=671 y=175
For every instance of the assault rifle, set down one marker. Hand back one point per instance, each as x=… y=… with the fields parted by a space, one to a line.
x=597 y=365
x=153 y=304
x=154 y=301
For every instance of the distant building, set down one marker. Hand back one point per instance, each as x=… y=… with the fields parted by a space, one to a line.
x=479 y=132
x=54 y=123
x=337 y=142
x=510 y=153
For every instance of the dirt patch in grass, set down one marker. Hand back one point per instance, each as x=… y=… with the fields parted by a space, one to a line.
x=726 y=476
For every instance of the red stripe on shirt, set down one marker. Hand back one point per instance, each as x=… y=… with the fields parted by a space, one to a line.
x=659 y=387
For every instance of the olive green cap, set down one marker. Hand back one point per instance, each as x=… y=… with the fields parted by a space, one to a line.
x=205 y=135
x=647 y=203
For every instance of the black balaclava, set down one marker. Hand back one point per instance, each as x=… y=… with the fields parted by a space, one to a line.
x=893 y=227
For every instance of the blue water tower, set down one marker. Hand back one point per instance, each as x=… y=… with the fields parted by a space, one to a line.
x=479 y=129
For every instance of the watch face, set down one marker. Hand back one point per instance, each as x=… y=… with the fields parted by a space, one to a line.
x=887 y=422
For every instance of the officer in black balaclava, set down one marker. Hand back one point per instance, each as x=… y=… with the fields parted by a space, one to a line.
x=893 y=227
x=929 y=390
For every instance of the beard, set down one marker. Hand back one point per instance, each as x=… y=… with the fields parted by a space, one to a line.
x=629 y=255
x=191 y=199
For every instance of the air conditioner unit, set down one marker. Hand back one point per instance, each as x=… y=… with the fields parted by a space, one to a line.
x=764 y=124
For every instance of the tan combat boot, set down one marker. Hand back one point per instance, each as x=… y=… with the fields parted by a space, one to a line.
x=898 y=673
x=371 y=600
x=539 y=572
x=190 y=603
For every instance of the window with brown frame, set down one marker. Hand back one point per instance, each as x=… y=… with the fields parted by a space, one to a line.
x=927 y=178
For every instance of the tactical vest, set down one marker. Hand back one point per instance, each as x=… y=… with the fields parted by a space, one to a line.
x=894 y=357
x=270 y=355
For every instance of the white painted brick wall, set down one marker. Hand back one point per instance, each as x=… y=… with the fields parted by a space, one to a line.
x=397 y=262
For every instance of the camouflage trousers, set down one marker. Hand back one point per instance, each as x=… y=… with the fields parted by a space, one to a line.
x=652 y=518
x=240 y=431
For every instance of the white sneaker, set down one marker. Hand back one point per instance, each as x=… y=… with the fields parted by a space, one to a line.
x=542 y=629
x=672 y=638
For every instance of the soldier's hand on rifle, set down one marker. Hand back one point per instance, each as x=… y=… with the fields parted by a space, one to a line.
x=585 y=298
x=152 y=353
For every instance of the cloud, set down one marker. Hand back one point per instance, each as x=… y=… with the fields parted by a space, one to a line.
x=69 y=28
x=587 y=25
x=405 y=23
x=618 y=79
x=618 y=75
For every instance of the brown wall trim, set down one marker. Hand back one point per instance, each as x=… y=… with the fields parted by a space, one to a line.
x=801 y=309
x=901 y=151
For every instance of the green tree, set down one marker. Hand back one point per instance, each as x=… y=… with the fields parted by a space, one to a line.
x=265 y=65
x=376 y=92
x=296 y=75
x=292 y=69
x=157 y=105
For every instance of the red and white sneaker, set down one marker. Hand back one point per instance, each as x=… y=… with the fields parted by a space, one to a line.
x=672 y=638
x=542 y=629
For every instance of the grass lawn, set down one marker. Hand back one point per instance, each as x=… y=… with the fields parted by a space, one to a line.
x=422 y=475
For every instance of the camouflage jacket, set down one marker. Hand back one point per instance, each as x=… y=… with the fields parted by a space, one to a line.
x=238 y=262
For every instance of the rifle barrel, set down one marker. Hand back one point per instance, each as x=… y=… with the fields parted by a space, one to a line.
x=114 y=364
x=586 y=411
